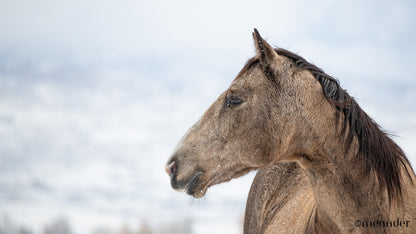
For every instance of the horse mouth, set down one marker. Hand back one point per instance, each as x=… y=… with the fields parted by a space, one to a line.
x=191 y=187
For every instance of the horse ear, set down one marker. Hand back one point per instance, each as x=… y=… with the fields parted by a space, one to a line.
x=265 y=52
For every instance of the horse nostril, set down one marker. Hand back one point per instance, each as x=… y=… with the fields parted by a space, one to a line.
x=172 y=168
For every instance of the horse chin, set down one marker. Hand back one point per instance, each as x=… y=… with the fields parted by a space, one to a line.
x=192 y=186
x=199 y=185
x=195 y=186
x=197 y=193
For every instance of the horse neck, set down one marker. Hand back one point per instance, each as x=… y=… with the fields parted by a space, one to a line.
x=343 y=189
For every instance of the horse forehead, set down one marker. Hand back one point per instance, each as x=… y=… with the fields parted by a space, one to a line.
x=250 y=78
x=253 y=78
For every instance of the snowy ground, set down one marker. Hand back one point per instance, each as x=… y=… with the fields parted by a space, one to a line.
x=92 y=148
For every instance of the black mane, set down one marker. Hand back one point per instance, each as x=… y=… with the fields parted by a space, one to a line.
x=381 y=155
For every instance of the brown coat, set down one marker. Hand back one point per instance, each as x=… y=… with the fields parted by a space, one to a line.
x=325 y=165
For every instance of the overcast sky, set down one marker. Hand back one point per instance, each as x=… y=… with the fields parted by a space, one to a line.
x=94 y=95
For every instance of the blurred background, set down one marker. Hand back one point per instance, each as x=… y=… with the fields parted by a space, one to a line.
x=94 y=96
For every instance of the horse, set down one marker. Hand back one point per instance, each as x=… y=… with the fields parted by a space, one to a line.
x=324 y=166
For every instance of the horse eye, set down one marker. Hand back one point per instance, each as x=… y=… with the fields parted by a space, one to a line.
x=233 y=101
